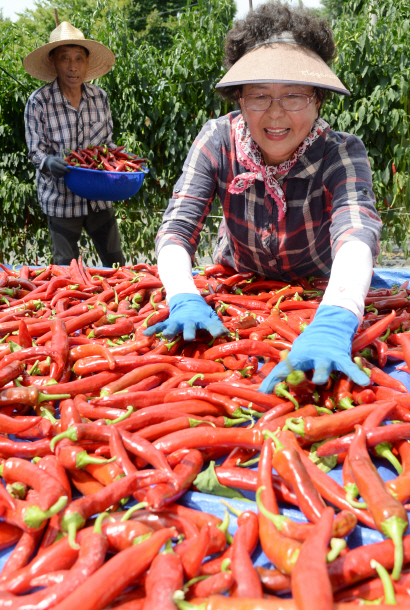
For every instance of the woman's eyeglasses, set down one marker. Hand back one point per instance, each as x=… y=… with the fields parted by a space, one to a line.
x=292 y=102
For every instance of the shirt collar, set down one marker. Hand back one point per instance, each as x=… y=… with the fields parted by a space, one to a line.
x=87 y=92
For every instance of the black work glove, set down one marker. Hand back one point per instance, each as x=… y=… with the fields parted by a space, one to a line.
x=56 y=166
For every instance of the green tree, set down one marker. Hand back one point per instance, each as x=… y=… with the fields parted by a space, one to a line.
x=159 y=100
x=373 y=61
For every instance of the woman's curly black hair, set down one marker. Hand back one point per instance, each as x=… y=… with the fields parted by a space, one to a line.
x=274 y=18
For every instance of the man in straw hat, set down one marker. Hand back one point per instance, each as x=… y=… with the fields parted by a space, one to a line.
x=68 y=113
x=296 y=196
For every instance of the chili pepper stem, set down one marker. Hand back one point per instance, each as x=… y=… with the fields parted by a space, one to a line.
x=132 y=510
x=83 y=459
x=394 y=528
x=71 y=525
x=384 y=450
x=125 y=415
x=296 y=425
x=225 y=564
x=389 y=595
x=98 y=522
x=337 y=545
x=281 y=391
x=277 y=520
x=352 y=492
x=70 y=433
x=345 y=403
x=34 y=517
x=183 y=605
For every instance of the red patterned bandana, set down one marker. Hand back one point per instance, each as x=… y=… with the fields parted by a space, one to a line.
x=249 y=154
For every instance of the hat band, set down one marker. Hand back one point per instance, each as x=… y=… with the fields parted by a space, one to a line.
x=282 y=37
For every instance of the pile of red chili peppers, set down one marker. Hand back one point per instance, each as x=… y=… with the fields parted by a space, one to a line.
x=106 y=159
x=95 y=418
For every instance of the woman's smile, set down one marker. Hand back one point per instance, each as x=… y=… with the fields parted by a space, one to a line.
x=279 y=132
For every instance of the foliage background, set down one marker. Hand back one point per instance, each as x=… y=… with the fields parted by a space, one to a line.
x=161 y=92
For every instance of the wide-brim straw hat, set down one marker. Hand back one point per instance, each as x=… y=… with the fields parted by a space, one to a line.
x=282 y=60
x=38 y=63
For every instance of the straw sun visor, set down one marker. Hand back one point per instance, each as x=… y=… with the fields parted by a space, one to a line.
x=100 y=60
x=282 y=62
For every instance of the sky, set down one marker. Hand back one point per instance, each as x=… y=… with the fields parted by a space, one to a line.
x=18 y=6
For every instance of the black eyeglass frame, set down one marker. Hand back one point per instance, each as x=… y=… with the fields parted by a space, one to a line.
x=279 y=99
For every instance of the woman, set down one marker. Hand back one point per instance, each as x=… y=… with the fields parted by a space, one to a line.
x=296 y=196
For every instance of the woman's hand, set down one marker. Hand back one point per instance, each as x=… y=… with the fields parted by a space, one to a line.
x=189 y=313
x=324 y=346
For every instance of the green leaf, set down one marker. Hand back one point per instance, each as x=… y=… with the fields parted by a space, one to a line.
x=207 y=482
x=326 y=464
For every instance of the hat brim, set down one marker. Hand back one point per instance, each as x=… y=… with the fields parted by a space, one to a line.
x=100 y=60
x=282 y=63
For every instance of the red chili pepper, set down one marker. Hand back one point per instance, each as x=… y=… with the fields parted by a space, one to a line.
x=116 y=574
x=389 y=515
x=281 y=551
x=185 y=472
x=165 y=577
x=247 y=581
x=310 y=571
x=370 y=334
x=328 y=488
x=20 y=555
x=243 y=346
x=9 y=535
x=48 y=488
x=288 y=465
x=400 y=486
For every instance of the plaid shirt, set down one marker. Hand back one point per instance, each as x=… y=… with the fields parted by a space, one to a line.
x=53 y=125
x=329 y=197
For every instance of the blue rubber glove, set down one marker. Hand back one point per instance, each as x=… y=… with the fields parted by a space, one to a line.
x=189 y=313
x=325 y=346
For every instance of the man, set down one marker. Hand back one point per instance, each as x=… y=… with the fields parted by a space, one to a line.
x=68 y=114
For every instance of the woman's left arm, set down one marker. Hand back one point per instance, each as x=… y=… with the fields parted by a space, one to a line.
x=326 y=343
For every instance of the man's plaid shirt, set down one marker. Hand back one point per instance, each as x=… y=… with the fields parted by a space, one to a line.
x=328 y=192
x=53 y=126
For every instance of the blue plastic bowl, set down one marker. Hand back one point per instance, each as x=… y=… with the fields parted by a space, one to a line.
x=103 y=186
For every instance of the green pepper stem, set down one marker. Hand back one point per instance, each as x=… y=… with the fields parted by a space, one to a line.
x=280 y=390
x=70 y=524
x=70 y=433
x=125 y=415
x=98 y=522
x=277 y=520
x=194 y=378
x=234 y=511
x=269 y=434
x=249 y=462
x=132 y=510
x=296 y=377
x=384 y=450
x=394 y=528
x=228 y=422
x=42 y=397
x=337 y=545
x=389 y=595
x=197 y=422
x=225 y=564
x=296 y=425
x=34 y=517
x=352 y=491
x=345 y=403
x=83 y=459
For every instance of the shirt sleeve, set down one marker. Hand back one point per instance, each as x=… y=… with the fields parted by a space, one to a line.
x=37 y=142
x=348 y=180
x=193 y=194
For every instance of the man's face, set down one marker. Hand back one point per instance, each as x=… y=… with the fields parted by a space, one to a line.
x=71 y=65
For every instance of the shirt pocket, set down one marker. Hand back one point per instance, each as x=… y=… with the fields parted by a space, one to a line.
x=97 y=133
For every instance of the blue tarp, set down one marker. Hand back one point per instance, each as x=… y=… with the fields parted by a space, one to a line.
x=361 y=535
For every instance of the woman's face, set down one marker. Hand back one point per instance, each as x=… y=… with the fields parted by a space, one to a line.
x=279 y=132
